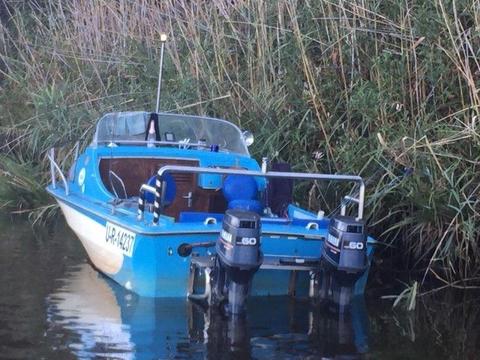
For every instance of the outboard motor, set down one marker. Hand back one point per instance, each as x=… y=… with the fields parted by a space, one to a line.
x=344 y=258
x=238 y=259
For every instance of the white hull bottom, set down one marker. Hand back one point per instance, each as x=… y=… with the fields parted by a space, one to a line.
x=105 y=257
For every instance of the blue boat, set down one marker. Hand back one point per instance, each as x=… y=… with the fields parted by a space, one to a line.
x=172 y=205
x=206 y=172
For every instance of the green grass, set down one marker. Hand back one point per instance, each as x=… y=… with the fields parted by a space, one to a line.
x=386 y=89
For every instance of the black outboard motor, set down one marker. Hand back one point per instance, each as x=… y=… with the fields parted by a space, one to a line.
x=238 y=259
x=344 y=258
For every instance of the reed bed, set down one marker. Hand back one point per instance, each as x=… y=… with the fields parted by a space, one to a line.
x=443 y=327
x=386 y=89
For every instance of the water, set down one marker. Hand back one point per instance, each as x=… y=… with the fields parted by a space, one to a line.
x=53 y=304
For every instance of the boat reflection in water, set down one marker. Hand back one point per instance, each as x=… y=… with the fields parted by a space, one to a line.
x=94 y=317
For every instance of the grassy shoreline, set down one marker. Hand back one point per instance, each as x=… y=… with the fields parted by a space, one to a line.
x=386 y=89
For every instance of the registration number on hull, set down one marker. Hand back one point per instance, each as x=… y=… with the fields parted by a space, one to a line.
x=120 y=238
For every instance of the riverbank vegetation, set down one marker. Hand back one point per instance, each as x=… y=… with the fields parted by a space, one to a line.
x=386 y=89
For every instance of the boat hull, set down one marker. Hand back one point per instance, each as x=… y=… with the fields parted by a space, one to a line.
x=152 y=267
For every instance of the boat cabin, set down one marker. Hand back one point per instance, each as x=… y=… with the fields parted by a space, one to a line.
x=130 y=147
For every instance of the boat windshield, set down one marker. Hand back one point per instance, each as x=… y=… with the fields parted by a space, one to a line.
x=126 y=128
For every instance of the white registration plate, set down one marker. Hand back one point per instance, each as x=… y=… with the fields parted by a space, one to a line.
x=120 y=238
x=333 y=240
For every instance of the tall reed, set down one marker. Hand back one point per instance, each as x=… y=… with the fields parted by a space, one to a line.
x=385 y=89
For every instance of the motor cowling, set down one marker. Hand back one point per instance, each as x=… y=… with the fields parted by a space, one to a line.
x=344 y=256
x=346 y=246
x=238 y=258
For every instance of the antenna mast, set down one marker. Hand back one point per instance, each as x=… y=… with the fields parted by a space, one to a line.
x=163 y=39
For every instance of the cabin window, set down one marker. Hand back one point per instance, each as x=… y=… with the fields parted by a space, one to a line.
x=129 y=128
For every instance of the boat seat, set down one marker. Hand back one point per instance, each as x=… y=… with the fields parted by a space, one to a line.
x=241 y=192
x=279 y=191
x=322 y=223
x=170 y=192
x=198 y=216
x=247 y=205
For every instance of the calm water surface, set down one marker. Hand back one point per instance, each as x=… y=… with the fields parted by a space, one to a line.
x=54 y=305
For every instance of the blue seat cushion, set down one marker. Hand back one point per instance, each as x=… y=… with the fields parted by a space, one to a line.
x=171 y=190
x=197 y=216
x=239 y=187
x=248 y=205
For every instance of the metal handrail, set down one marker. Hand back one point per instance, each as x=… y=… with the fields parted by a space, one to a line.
x=147 y=188
x=346 y=200
x=141 y=199
x=119 y=179
x=54 y=166
x=155 y=142
x=268 y=174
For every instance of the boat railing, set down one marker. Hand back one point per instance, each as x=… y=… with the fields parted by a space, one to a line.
x=345 y=201
x=180 y=144
x=141 y=199
x=55 y=168
x=160 y=186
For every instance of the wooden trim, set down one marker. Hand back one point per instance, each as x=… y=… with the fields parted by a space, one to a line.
x=136 y=171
